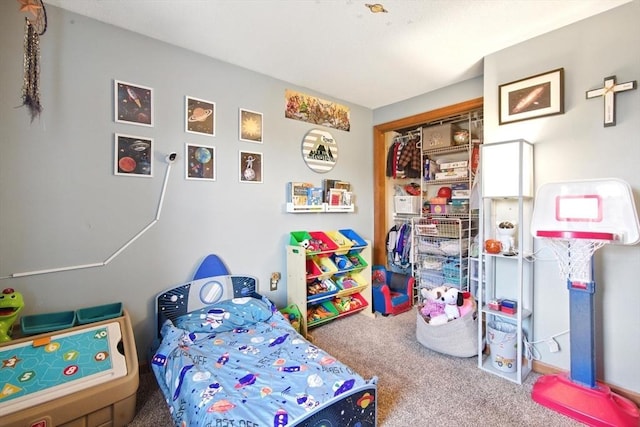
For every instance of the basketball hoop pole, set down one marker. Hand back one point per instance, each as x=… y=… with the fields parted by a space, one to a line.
x=582 y=326
x=578 y=394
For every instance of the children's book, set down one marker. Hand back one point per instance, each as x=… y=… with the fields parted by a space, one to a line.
x=298 y=193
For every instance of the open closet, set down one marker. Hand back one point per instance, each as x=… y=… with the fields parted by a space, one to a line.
x=401 y=131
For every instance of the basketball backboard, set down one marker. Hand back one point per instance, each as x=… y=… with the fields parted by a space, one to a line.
x=597 y=209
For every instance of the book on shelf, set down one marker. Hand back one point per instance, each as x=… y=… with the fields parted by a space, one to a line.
x=314 y=196
x=336 y=196
x=328 y=184
x=298 y=193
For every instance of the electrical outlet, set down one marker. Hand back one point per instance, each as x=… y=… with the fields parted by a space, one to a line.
x=553 y=345
x=275 y=278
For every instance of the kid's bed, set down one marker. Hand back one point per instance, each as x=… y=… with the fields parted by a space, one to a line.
x=227 y=357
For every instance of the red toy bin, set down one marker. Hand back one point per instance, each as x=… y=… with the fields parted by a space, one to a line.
x=313 y=270
x=321 y=243
x=314 y=242
x=349 y=304
x=358 y=242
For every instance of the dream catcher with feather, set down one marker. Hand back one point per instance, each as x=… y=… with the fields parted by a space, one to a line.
x=35 y=27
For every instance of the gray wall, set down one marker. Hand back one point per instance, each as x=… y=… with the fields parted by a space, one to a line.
x=575 y=145
x=463 y=91
x=61 y=205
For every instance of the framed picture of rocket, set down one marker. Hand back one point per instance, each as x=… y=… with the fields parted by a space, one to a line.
x=200 y=116
x=536 y=96
x=133 y=103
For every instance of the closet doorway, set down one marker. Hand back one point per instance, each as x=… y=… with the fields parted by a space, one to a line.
x=380 y=196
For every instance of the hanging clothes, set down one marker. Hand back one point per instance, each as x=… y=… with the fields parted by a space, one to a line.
x=392 y=159
x=410 y=159
x=399 y=248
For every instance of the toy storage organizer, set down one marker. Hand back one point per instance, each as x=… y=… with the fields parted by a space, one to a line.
x=328 y=275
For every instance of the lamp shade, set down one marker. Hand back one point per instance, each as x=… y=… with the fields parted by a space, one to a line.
x=507 y=169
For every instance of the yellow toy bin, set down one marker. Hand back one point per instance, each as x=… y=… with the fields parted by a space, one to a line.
x=344 y=244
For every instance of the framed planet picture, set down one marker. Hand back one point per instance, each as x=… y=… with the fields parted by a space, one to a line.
x=133 y=156
x=200 y=116
x=200 y=162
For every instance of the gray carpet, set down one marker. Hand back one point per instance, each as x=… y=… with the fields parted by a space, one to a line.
x=416 y=386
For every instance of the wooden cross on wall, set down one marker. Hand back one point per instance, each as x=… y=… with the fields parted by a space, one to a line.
x=608 y=92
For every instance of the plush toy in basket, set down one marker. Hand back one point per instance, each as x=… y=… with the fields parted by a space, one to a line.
x=447 y=322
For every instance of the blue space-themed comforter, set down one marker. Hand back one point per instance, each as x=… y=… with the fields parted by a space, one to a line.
x=240 y=363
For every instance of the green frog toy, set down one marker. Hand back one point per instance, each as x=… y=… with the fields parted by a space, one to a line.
x=11 y=303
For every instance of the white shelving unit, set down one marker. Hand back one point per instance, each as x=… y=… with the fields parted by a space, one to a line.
x=507 y=195
x=441 y=235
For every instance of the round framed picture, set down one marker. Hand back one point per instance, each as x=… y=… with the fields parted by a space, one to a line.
x=319 y=150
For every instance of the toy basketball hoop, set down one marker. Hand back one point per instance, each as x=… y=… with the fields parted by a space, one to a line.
x=576 y=218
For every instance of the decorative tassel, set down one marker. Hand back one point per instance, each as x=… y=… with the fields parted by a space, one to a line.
x=31 y=86
x=34 y=28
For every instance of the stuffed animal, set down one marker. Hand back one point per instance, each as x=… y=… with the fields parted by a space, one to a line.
x=433 y=310
x=452 y=298
x=11 y=303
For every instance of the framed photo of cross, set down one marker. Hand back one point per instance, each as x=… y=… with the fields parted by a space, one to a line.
x=608 y=92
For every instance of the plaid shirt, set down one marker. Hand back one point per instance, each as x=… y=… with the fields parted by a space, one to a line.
x=410 y=155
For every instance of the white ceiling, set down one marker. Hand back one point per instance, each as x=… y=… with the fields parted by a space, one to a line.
x=339 y=47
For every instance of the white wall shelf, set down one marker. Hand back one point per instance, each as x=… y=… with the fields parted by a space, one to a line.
x=324 y=207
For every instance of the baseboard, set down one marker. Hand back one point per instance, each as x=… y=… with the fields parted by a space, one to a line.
x=544 y=369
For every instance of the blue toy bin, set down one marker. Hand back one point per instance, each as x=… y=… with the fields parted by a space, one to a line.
x=99 y=313
x=47 y=322
x=358 y=242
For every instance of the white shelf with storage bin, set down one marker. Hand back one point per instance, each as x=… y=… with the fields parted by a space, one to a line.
x=328 y=275
x=504 y=272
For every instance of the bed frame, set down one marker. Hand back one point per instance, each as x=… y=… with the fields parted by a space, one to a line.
x=204 y=291
x=173 y=303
